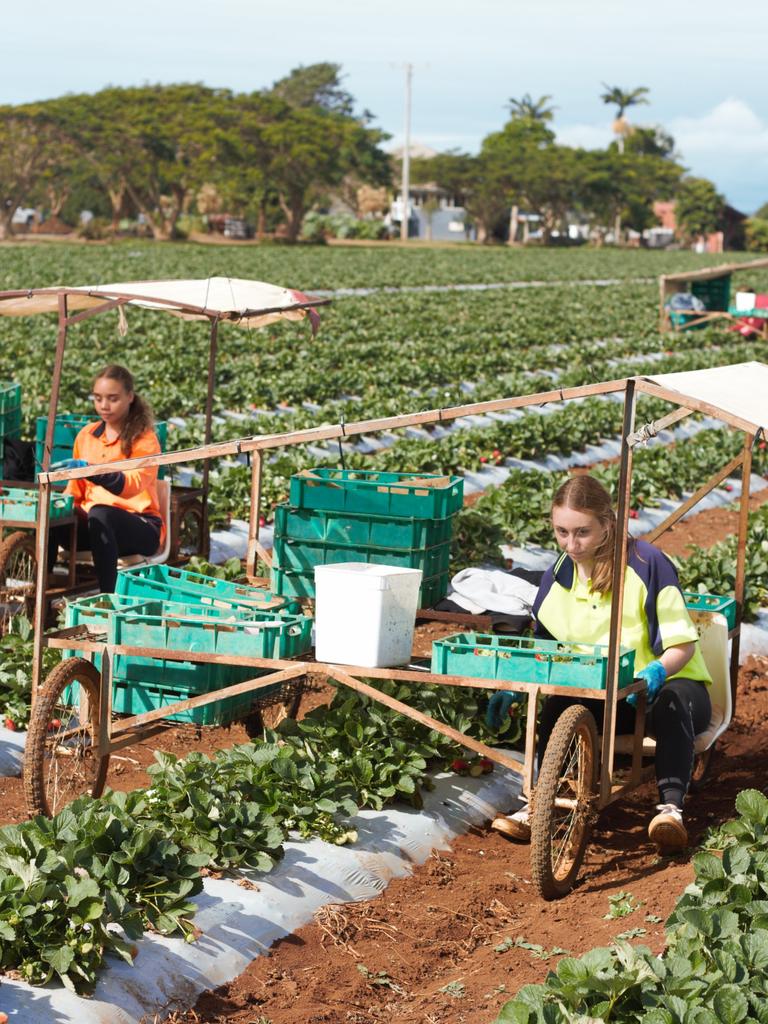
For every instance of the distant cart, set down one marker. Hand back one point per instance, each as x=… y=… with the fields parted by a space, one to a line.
x=579 y=775
x=712 y=286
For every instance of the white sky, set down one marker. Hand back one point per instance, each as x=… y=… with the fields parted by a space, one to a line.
x=704 y=62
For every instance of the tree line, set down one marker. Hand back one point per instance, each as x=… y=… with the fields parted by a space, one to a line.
x=270 y=156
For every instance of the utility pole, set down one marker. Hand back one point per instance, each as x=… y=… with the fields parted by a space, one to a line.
x=406 y=182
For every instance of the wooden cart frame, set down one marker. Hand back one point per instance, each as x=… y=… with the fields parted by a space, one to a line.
x=598 y=790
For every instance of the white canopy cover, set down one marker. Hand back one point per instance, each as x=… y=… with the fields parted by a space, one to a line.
x=249 y=303
x=739 y=390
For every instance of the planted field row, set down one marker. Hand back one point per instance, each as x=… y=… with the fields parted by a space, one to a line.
x=714 y=969
x=90 y=881
x=311 y=267
x=364 y=349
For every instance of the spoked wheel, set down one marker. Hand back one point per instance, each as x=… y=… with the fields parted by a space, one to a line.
x=562 y=803
x=701 y=764
x=273 y=709
x=61 y=758
x=18 y=573
x=191 y=540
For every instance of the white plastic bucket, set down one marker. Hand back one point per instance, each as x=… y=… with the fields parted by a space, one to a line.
x=365 y=614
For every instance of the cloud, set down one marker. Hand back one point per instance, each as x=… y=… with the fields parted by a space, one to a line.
x=730 y=127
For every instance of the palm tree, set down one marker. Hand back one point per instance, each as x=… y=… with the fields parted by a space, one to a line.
x=622 y=100
x=527 y=108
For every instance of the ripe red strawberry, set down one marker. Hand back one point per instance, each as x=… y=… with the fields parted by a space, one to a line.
x=634 y=514
x=483 y=458
x=459 y=765
x=262 y=521
x=486 y=764
x=10 y=724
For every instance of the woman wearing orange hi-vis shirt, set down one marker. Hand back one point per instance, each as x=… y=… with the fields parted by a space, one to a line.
x=118 y=513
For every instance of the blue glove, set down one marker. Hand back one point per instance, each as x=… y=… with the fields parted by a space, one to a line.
x=497 y=711
x=655 y=675
x=70 y=464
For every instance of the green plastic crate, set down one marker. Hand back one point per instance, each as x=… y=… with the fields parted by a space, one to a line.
x=134 y=698
x=10 y=396
x=65 y=430
x=10 y=423
x=522 y=660
x=360 y=529
x=712 y=603
x=715 y=292
x=304 y=555
x=21 y=503
x=295 y=583
x=259 y=635
x=424 y=496
x=164 y=582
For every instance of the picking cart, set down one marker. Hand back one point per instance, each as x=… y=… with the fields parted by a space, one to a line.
x=68 y=751
x=712 y=286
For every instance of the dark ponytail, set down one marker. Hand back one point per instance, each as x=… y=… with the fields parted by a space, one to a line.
x=139 y=418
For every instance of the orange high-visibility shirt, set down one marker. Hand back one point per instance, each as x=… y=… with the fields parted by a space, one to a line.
x=134 y=490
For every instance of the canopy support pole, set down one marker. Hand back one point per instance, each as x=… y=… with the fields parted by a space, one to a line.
x=43 y=503
x=255 y=549
x=208 y=425
x=741 y=562
x=617 y=594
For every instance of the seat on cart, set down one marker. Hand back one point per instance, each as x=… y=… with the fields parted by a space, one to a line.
x=713 y=636
x=161 y=555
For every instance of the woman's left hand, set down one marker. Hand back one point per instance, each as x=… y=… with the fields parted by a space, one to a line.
x=655 y=675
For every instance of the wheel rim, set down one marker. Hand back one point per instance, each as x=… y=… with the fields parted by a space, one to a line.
x=571 y=809
x=18 y=582
x=69 y=765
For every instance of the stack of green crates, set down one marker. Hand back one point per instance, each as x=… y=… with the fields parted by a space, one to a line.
x=168 y=583
x=65 y=430
x=337 y=515
x=142 y=684
x=10 y=413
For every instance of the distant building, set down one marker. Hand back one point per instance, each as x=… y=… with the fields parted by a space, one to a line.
x=731 y=237
x=433 y=213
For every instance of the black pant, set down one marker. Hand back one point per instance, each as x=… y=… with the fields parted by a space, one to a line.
x=680 y=712
x=109 y=533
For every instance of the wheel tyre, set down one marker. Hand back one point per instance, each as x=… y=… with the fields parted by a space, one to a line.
x=59 y=767
x=268 y=715
x=18 y=563
x=701 y=765
x=559 y=835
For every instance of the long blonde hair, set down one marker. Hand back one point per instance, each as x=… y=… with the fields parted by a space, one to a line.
x=139 y=416
x=583 y=493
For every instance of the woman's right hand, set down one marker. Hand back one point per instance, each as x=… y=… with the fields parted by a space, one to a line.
x=499 y=707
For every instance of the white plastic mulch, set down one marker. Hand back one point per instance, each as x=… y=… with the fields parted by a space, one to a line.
x=240 y=924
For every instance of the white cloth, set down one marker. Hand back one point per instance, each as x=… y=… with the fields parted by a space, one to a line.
x=491 y=590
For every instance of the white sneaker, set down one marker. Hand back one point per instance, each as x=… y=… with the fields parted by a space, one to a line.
x=667 y=829
x=516 y=826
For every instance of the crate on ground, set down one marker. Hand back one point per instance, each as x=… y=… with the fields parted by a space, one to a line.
x=377 y=531
x=715 y=292
x=168 y=583
x=134 y=698
x=524 y=660
x=67 y=426
x=304 y=555
x=712 y=603
x=20 y=504
x=301 y=583
x=424 y=496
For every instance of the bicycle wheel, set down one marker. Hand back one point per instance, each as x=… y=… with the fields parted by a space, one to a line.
x=61 y=757
x=562 y=803
x=18 y=573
